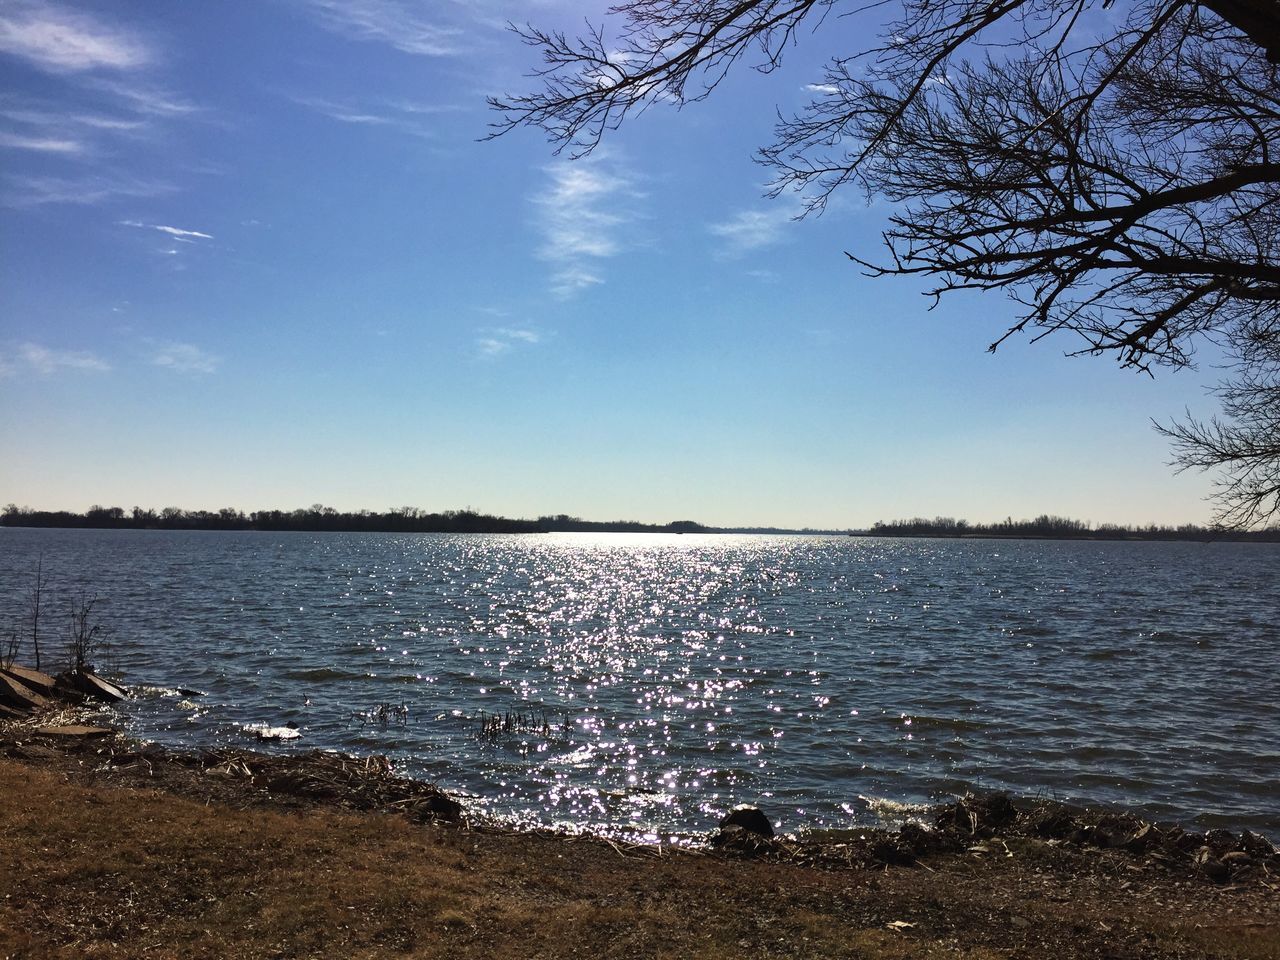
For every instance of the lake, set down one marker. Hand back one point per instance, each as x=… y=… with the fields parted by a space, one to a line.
x=642 y=684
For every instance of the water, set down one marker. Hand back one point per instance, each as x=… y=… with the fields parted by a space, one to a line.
x=828 y=679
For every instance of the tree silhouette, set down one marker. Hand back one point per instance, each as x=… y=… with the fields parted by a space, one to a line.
x=1112 y=173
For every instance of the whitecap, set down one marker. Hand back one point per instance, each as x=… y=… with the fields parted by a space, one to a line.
x=264 y=731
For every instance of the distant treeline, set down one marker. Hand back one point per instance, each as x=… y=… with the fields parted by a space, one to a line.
x=321 y=518
x=1061 y=528
x=413 y=520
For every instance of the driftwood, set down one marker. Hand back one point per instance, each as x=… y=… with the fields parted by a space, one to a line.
x=76 y=730
x=91 y=685
x=41 y=683
x=15 y=693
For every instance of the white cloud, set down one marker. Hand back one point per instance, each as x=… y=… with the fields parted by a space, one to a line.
x=410 y=106
x=107 y=98
x=493 y=343
x=84 y=135
x=573 y=278
x=45 y=361
x=146 y=100
x=63 y=125
x=42 y=144
x=184 y=358
x=401 y=25
x=583 y=214
x=100 y=122
x=396 y=115
x=175 y=232
x=749 y=230
x=823 y=88
x=72 y=133
x=66 y=41
x=37 y=191
x=524 y=336
x=182 y=234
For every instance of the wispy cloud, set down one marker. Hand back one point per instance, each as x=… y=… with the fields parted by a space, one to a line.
x=56 y=39
x=102 y=122
x=583 y=214
x=401 y=115
x=399 y=24
x=44 y=360
x=826 y=89
x=184 y=358
x=493 y=343
x=38 y=126
x=42 y=116
x=38 y=191
x=175 y=232
x=750 y=230
x=16 y=141
x=145 y=99
x=107 y=98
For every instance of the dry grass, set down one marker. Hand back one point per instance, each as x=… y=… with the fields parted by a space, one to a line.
x=110 y=871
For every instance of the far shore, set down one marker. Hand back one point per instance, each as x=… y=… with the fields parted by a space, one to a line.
x=319 y=519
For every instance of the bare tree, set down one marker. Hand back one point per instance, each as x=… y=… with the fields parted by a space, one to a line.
x=1245 y=445
x=1115 y=177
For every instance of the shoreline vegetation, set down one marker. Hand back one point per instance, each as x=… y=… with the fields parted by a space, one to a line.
x=319 y=518
x=114 y=847
x=118 y=848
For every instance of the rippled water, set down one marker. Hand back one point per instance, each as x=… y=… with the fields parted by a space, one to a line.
x=677 y=675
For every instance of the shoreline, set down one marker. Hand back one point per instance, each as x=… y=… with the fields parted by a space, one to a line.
x=74 y=702
x=990 y=877
x=370 y=783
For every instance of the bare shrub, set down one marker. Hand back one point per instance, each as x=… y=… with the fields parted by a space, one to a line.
x=10 y=650
x=35 y=602
x=88 y=634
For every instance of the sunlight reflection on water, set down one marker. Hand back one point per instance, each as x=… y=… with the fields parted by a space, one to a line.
x=676 y=675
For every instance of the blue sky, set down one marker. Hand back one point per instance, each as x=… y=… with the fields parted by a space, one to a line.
x=255 y=254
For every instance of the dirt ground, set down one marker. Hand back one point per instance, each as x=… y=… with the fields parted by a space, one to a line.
x=109 y=850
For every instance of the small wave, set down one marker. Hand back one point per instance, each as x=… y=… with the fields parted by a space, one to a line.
x=146 y=692
x=1105 y=654
x=577 y=758
x=888 y=811
x=320 y=674
x=642 y=797
x=922 y=721
x=1034 y=631
x=926 y=722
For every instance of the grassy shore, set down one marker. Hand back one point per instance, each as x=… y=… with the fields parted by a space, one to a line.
x=108 y=851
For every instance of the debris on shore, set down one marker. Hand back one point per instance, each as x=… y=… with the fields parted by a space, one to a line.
x=984 y=826
x=28 y=691
x=988 y=826
x=997 y=885
x=242 y=778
